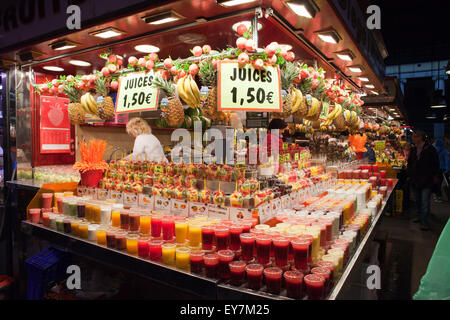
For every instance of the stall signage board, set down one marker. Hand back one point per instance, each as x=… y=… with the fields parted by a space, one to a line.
x=179 y=208
x=380 y=145
x=54 y=125
x=237 y=214
x=248 y=89
x=136 y=93
x=218 y=212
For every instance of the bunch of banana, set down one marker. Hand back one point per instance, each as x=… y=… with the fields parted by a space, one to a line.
x=348 y=117
x=335 y=113
x=297 y=97
x=327 y=122
x=88 y=103
x=188 y=90
x=306 y=122
x=302 y=128
x=315 y=107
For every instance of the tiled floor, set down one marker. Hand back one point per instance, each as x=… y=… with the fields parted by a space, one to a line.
x=402 y=230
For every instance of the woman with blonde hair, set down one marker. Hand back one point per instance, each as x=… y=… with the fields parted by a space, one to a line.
x=145 y=142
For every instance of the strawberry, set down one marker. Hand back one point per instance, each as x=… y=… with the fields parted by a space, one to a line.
x=141 y=62
x=243 y=58
x=153 y=56
x=112 y=58
x=258 y=64
x=174 y=70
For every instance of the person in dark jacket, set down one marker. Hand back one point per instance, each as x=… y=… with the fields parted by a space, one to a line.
x=370 y=153
x=444 y=165
x=423 y=168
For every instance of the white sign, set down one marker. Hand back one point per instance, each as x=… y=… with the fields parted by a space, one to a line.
x=237 y=214
x=136 y=93
x=218 y=212
x=196 y=208
x=146 y=201
x=179 y=208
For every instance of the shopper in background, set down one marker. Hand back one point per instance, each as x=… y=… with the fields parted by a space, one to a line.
x=275 y=124
x=145 y=142
x=444 y=164
x=370 y=153
x=423 y=167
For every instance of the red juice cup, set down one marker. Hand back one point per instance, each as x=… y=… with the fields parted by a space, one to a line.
x=325 y=273
x=222 y=237
x=301 y=254
x=211 y=262
x=273 y=277
x=247 y=246
x=330 y=266
x=196 y=259
x=207 y=237
x=237 y=272
x=293 y=281
x=225 y=257
x=143 y=247
x=263 y=244
x=59 y=204
x=314 y=286
x=168 y=228
x=291 y=250
x=135 y=220
x=246 y=226
x=110 y=239
x=272 y=235
x=121 y=240
x=155 y=249
x=254 y=276
x=383 y=174
x=47 y=199
x=281 y=250
x=46 y=220
x=156 y=225
x=375 y=168
x=390 y=182
x=309 y=238
x=383 y=182
x=35 y=215
x=124 y=220
x=235 y=242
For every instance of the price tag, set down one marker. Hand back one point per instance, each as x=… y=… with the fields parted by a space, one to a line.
x=218 y=212
x=159 y=169
x=146 y=201
x=102 y=194
x=162 y=205
x=264 y=213
x=296 y=156
x=285 y=145
x=136 y=93
x=130 y=199
x=248 y=89
x=179 y=208
x=380 y=145
x=237 y=214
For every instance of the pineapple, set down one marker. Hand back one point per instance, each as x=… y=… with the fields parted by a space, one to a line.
x=76 y=112
x=105 y=103
x=175 y=113
x=208 y=76
x=288 y=74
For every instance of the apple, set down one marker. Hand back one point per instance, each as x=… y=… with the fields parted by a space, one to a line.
x=114 y=85
x=112 y=58
x=289 y=56
x=105 y=71
x=174 y=70
x=132 y=60
x=304 y=74
x=168 y=63
x=112 y=68
x=240 y=43
x=182 y=74
x=241 y=29
x=206 y=49
x=55 y=82
x=243 y=58
x=273 y=59
x=153 y=56
x=258 y=64
x=193 y=69
x=250 y=45
x=70 y=78
x=197 y=51
x=150 y=64
x=141 y=62
x=270 y=50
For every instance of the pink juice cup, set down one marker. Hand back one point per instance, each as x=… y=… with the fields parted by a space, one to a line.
x=301 y=254
x=35 y=215
x=254 y=276
x=196 y=259
x=156 y=226
x=237 y=272
x=325 y=273
x=143 y=247
x=281 y=250
x=211 y=263
x=315 y=286
x=235 y=242
x=383 y=174
x=263 y=243
x=293 y=281
x=222 y=238
x=155 y=249
x=247 y=246
x=273 y=277
x=168 y=228
x=47 y=200
x=207 y=237
x=330 y=266
x=309 y=238
x=225 y=257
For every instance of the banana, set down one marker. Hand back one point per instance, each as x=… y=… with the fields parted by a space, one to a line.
x=294 y=99
x=92 y=103
x=347 y=115
x=298 y=100
x=84 y=104
x=180 y=88
x=195 y=90
x=330 y=115
x=338 y=113
x=189 y=94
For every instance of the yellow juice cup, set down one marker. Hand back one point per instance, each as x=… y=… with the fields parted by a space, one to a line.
x=144 y=224
x=88 y=211
x=168 y=253
x=195 y=233
x=340 y=254
x=182 y=258
x=313 y=231
x=335 y=260
x=101 y=237
x=115 y=218
x=83 y=230
x=132 y=246
x=74 y=227
x=181 y=228
x=97 y=214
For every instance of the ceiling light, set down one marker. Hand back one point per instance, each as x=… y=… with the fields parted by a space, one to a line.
x=392 y=109
x=364 y=79
x=107 y=33
x=356 y=69
x=370 y=86
x=63 y=45
x=447 y=70
x=303 y=8
x=438 y=106
x=80 y=63
x=430 y=117
x=146 y=48
x=345 y=55
x=53 y=68
x=161 y=18
x=232 y=3
x=248 y=24
x=375 y=93
x=329 y=36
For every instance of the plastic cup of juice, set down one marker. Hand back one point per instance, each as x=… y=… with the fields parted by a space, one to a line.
x=281 y=250
x=168 y=253
x=195 y=233
x=143 y=247
x=132 y=243
x=207 y=237
x=293 y=281
x=47 y=200
x=263 y=243
x=155 y=249
x=101 y=236
x=181 y=230
x=222 y=236
x=237 y=272
x=46 y=219
x=83 y=230
x=325 y=273
x=235 y=242
x=211 y=262
x=35 y=215
x=196 y=261
x=273 y=278
x=225 y=257
x=315 y=285
x=254 y=276
x=125 y=219
x=182 y=260
x=105 y=213
x=121 y=240
x=156 y=225
x=144 y=224
x=247 y=246
x=111 y=238
x=67 y=225
x=168 y=228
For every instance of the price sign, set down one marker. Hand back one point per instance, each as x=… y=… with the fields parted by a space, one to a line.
x=248 y=89
x=380 y=145
x=285 y=145
x=136 y=93
x=159 y=169
x=296 y=156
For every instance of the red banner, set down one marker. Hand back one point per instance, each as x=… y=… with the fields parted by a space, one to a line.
x=54 y=125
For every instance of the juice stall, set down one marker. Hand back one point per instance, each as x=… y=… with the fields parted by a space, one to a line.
x=226 y=216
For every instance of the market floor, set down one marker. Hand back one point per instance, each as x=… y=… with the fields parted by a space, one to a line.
x=408 y=250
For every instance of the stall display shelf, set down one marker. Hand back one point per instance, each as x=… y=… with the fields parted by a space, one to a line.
x=197 y=284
